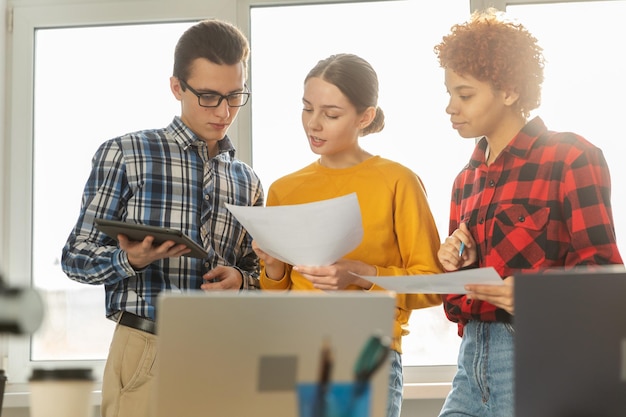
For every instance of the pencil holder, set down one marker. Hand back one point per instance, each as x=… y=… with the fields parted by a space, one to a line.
x=336 y=400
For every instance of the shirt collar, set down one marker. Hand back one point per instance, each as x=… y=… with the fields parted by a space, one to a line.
x=186 y=138
x=520 y=146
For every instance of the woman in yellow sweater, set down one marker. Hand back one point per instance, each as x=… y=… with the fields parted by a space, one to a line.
x=400 y=237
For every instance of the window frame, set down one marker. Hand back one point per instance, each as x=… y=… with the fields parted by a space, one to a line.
x=17 y=160
x=17 y=202
x=17 y=239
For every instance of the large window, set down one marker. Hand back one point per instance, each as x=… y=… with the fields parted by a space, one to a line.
x=74 y=86
x=89 y=83
x=117 y=62
x=417 y=132
x=110 y=71
x=579 y=94
x=583 y=86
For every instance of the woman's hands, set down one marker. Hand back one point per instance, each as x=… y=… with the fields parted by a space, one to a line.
x=450 y=254
x=458 y=251
x=339 y=275
x=274 y=268
x=499 y=295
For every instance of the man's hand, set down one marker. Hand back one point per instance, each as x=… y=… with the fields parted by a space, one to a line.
x=222 y=278
x=142 y=254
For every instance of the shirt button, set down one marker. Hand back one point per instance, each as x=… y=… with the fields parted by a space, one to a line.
x=468 y=302
x=207 y=197
x=206 y=264
x=481 y=221
x=521 y=219
x=492 y=183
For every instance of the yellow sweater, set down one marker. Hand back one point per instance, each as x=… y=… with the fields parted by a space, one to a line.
x=400 y=236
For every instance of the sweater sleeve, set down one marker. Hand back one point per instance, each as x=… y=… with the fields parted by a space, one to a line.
x=418 y=239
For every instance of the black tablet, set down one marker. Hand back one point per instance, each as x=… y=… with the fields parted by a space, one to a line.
x=139 y=231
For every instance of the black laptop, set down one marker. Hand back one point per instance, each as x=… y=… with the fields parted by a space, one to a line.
x=570 y=343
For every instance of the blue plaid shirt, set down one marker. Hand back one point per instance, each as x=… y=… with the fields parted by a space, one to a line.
x=162 y=177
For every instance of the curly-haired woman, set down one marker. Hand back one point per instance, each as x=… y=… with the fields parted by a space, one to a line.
x=529 y=199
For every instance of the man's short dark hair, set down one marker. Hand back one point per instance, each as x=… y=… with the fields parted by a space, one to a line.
x=218 y=41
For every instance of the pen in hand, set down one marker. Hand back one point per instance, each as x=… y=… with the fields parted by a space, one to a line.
x=464 y=228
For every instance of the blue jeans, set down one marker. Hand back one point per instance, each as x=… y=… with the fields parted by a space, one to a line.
x=394 y=400
x=483 y=384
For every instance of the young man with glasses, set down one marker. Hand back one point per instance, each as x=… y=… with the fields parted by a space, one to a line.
x=177 y=177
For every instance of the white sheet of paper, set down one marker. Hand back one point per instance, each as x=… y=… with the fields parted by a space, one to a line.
x=312 y=234
x=448 y=283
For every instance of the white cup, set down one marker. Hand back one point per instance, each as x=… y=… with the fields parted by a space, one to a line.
x=61 y=392
x=3 y=382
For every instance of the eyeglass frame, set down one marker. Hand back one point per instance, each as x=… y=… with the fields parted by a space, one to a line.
x=247 y=93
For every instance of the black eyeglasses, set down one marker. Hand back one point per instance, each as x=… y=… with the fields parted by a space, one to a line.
x=215 y=99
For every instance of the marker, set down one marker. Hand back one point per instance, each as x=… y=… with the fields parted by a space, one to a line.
x=461 y=249
x=372 y=356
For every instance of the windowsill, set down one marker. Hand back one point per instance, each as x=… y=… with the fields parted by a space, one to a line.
x=18 y=395
x=426 y=391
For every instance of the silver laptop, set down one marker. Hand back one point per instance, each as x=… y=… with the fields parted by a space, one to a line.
x=570 y=344
x=239 y=354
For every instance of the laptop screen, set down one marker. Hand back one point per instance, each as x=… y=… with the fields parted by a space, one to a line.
x=244 y=353
x=570 y=343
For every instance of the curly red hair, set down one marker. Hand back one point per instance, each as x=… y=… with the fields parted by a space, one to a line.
x=500 y=52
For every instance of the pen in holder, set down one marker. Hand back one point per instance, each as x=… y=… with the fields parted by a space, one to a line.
x=372 y=356
x=343 y=399
x=326 y=367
